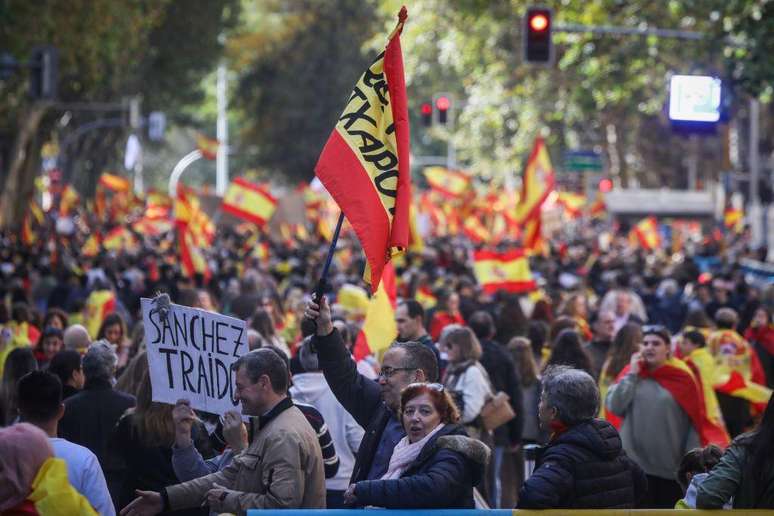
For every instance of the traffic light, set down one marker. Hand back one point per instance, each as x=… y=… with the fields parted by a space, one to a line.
x=443 y=105
x=427 y=114
x=538 y=47
x=44 y=73
x=605 y=185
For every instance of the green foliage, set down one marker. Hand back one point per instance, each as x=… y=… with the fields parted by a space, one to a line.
x=298 y=63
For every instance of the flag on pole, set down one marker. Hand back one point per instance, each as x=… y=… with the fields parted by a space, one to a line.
x=452 y=184
x=537 y=182
x=248 y=201
x=379 y=328
x=365 y=163
x=733 y=219
x=507 y=271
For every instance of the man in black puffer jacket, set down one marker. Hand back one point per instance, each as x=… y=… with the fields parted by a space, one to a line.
x=584 y=465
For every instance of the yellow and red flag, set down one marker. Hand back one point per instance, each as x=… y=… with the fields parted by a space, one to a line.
x=733 y=219
x=425 y=297
x=646 y=234
x=92 y=246
x=99 y=304
x=507 y=271
x=738 y=371
x=572 y=203
x=28 y=236
x=379 y=327
x=598 y=209
x=537 y=182
x=703 y=364
x=475 y=230
x=249 y=201
x=677 y=378
x=36 y=212
x=453 y=184
x=194 y=231
x=114 y=183
x=365 y=163
x=533 y=239
x=68 y=200
x=207 y=146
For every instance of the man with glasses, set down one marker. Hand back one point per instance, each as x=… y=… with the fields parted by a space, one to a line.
x=375 y=405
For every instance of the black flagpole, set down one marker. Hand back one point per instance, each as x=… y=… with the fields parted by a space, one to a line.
x=320 y=290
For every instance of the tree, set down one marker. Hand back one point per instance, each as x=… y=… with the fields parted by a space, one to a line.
x=299 y=62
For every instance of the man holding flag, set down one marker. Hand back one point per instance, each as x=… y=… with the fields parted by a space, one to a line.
x=365 y=167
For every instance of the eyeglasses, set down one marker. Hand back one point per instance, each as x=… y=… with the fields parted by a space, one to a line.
x=438 y=387
x=389 y=372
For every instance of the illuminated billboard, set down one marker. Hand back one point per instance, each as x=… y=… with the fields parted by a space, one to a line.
x=694 y=98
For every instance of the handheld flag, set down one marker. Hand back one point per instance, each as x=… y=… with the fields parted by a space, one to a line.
x=249 y=201
x=365 y=163
x=507 y=271
x=452 y=184
x=207 y=146
x=646 y=234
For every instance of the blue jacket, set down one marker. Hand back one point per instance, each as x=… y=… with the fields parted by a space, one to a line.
x=443 y=476
x=584 y=467
x=361 y=397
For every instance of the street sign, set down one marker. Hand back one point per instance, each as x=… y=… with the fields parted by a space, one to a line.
x=583 y=161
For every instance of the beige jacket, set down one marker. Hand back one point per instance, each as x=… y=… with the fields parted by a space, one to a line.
x=281 y=469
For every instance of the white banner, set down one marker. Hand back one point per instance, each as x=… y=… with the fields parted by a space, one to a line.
x=190 y=353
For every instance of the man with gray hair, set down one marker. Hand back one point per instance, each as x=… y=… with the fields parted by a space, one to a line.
x=282 y=468
x=584 y=465
x=76 y=337
x=91 y=415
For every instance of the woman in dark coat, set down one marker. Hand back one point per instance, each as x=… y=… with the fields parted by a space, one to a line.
x=436 y=466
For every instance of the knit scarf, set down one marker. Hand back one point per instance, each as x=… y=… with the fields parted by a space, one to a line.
x=405 y=453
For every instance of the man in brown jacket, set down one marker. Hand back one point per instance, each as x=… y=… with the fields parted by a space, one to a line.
x=281 y=469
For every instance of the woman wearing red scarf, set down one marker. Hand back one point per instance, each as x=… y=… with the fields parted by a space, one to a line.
x=662 y=407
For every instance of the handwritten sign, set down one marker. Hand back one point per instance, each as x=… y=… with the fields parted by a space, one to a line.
x=190 y=353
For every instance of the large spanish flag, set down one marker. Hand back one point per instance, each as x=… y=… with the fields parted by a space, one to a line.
x=365 y=163
x=249 y=201
x=379 y=328
x=702 y=363
x=537 y=182
x=507 y=271
x=453 y=184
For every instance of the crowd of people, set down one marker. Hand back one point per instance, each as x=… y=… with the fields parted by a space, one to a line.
x=631 y=378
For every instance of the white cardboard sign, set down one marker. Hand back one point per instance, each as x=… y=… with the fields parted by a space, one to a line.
x=190 y=353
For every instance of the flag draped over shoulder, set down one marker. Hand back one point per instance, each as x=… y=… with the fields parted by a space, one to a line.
x=679 y=380
x=249 y=201
x=507 y=271
x=379 y=328
x=365 y=163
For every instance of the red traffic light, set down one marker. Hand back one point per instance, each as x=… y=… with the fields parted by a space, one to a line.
x=443 y=103
x=427 y=108
x=605 y=185
x=538 y=22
